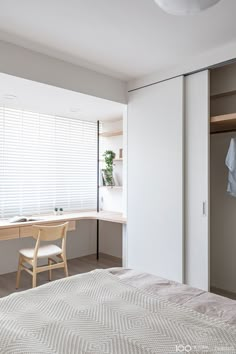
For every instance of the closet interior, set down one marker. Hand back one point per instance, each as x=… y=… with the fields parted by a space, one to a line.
x=223 y=180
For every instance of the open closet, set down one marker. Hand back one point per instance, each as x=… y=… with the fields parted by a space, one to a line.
x=210 y=208
x=223 y=180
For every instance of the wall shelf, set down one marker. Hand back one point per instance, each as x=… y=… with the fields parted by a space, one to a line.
x=223 y=123
x=109 y=134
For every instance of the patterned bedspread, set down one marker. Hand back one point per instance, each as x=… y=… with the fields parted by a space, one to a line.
x=98 y=312
x=210 y=304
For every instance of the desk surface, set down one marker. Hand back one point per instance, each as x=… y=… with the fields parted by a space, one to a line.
x=91 y=215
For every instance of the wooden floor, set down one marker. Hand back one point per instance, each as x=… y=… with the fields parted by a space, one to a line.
x=75 y=266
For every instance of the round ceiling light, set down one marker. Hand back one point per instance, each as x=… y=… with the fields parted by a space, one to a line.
x=185 y=7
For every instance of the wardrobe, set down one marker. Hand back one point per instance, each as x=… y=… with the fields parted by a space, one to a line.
x=173 y=157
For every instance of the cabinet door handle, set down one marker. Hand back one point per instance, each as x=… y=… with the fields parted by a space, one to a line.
x=204 y=208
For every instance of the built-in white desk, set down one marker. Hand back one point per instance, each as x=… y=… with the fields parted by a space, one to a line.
x=9 y=230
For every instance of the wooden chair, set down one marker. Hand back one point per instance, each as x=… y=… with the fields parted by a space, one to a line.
x=31 y=255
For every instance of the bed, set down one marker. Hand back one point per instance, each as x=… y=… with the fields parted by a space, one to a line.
x=116 y=311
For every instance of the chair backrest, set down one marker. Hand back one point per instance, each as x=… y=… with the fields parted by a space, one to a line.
x=50 y=233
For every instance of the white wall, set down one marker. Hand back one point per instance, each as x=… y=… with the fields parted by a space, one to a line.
x=21 y=62
x=223 y=218
x=80 y=242
x=111 y=238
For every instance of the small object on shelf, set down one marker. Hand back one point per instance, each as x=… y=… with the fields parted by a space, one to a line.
x=102 y=180
x=23 y=219
x=116 y=180
x=101 y=203
x=61 y=211
x=56 y=211
x=107 y=179
x=120 y=153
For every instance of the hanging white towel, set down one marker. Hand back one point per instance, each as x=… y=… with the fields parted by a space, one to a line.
x=230 y=162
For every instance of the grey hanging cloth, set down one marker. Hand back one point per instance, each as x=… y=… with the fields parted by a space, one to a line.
x=230 y=162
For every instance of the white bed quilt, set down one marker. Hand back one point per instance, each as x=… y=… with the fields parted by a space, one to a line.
x=97 y=312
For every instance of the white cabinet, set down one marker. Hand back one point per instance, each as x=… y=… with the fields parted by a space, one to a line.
x=155 y=179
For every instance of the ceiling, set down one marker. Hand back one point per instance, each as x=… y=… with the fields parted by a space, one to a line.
x=123 y=38
x=36 y=97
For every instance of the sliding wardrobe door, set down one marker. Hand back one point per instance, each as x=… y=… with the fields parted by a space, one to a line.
x=197 y=180
x=155 y=179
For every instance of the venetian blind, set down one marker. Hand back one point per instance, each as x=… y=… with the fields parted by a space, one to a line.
x=46 y=162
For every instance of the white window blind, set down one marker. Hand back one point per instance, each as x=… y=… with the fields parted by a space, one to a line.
x=46 y=162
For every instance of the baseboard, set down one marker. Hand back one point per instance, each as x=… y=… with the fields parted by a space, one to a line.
x=81 y=253
x=223 y=292
x=108 y=256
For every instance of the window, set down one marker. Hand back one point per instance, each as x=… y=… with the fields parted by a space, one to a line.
x=46 y=162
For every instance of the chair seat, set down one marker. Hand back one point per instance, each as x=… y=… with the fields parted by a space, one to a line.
x=43 y=251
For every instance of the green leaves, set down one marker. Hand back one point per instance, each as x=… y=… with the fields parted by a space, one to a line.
x=109 y=156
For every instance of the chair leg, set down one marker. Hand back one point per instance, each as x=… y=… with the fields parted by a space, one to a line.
x=34 y=277
x=50 y=270
x=18 y=272
x=64 y=260
x=63 y=257
x=66 y=268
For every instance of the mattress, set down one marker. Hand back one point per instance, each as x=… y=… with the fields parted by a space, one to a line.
x=116 y=311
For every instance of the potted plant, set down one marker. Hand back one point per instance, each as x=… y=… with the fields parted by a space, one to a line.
x=109 y=156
